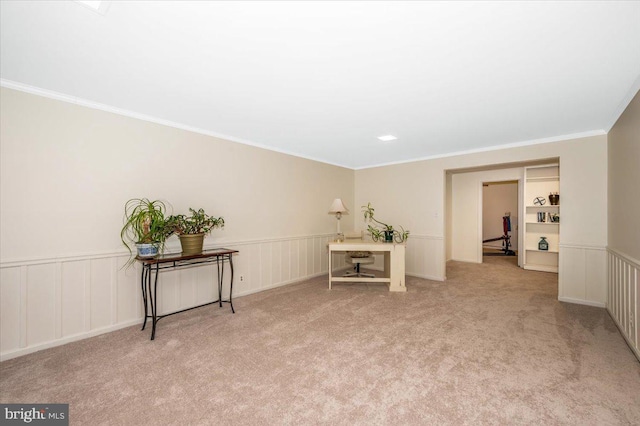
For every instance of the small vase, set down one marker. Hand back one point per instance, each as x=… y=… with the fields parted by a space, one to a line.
x=543 y=244
x=554 y=199
x=388 y=236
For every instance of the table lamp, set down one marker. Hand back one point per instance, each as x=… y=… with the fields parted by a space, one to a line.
x=338 y=208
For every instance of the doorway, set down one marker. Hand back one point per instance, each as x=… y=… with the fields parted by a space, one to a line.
x=500 y=219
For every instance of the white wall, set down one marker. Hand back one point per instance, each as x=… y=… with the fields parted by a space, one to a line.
x=68 y=170
x=467 y=206
x=623 y=302
x=414 y=194
x=66 y=173
x=403 y=196
x=624 y=182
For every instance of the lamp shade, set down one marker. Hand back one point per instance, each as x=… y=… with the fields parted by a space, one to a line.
x=338 y=207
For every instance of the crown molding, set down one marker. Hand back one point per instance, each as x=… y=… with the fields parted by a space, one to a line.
x=626 y=100
x=9 y=84
x=496 y=147
x=144 y=117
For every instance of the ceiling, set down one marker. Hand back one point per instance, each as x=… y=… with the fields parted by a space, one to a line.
x=322 y=80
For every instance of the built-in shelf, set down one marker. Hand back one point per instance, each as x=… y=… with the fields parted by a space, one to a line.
x=543 y=251
x=543 y=179
x=540 y=181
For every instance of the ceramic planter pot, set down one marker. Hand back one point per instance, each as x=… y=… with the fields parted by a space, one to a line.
x=146 y=251
x=191 y=243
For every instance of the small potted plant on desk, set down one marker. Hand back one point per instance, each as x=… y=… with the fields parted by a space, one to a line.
x=144 y=227
x=387 y=233
x=192 y=229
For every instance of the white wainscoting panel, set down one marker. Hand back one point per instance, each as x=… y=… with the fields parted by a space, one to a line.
x=425 y=257
x=12 y=320
x=49 y=302
x=582 y=275
x=72 y=312
x=40 y=303
x=623 y=296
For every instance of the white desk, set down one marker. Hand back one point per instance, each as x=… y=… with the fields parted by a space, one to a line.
x=393 y=263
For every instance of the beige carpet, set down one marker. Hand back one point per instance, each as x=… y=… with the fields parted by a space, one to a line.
x=492 y=345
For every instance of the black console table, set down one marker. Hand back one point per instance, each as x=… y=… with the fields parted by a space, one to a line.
x=151 y=266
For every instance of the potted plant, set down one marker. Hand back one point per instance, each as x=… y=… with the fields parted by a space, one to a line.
x=387 y=233
x=192 y=229
x=144 y=227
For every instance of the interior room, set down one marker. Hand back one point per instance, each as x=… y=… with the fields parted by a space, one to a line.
x=264 y=114
x=500 y=218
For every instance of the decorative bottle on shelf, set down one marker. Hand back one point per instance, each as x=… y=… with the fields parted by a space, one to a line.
x=543 y=244
x=554 y=198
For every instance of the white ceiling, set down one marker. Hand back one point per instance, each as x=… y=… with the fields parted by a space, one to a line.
x=322 y=80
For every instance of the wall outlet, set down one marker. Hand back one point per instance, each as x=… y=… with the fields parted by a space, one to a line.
x=241 y=278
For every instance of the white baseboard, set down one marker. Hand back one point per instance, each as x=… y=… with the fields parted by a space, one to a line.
x=427 y=277
x=281 y=284
x=59 y=342
x=581 y=302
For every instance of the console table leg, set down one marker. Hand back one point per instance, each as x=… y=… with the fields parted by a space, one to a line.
x=220 y=279
x=154 y=301
x=231 y=284
x=143 y=283
x=330 y=266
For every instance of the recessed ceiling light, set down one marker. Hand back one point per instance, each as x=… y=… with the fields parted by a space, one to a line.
x=387 y=138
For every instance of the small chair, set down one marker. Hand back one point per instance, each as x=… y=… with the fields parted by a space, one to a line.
x=358 y=258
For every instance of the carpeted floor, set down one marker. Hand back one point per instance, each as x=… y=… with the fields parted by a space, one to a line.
x=491 y=345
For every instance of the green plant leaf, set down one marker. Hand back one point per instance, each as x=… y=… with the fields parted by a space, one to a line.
x=376 y=233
